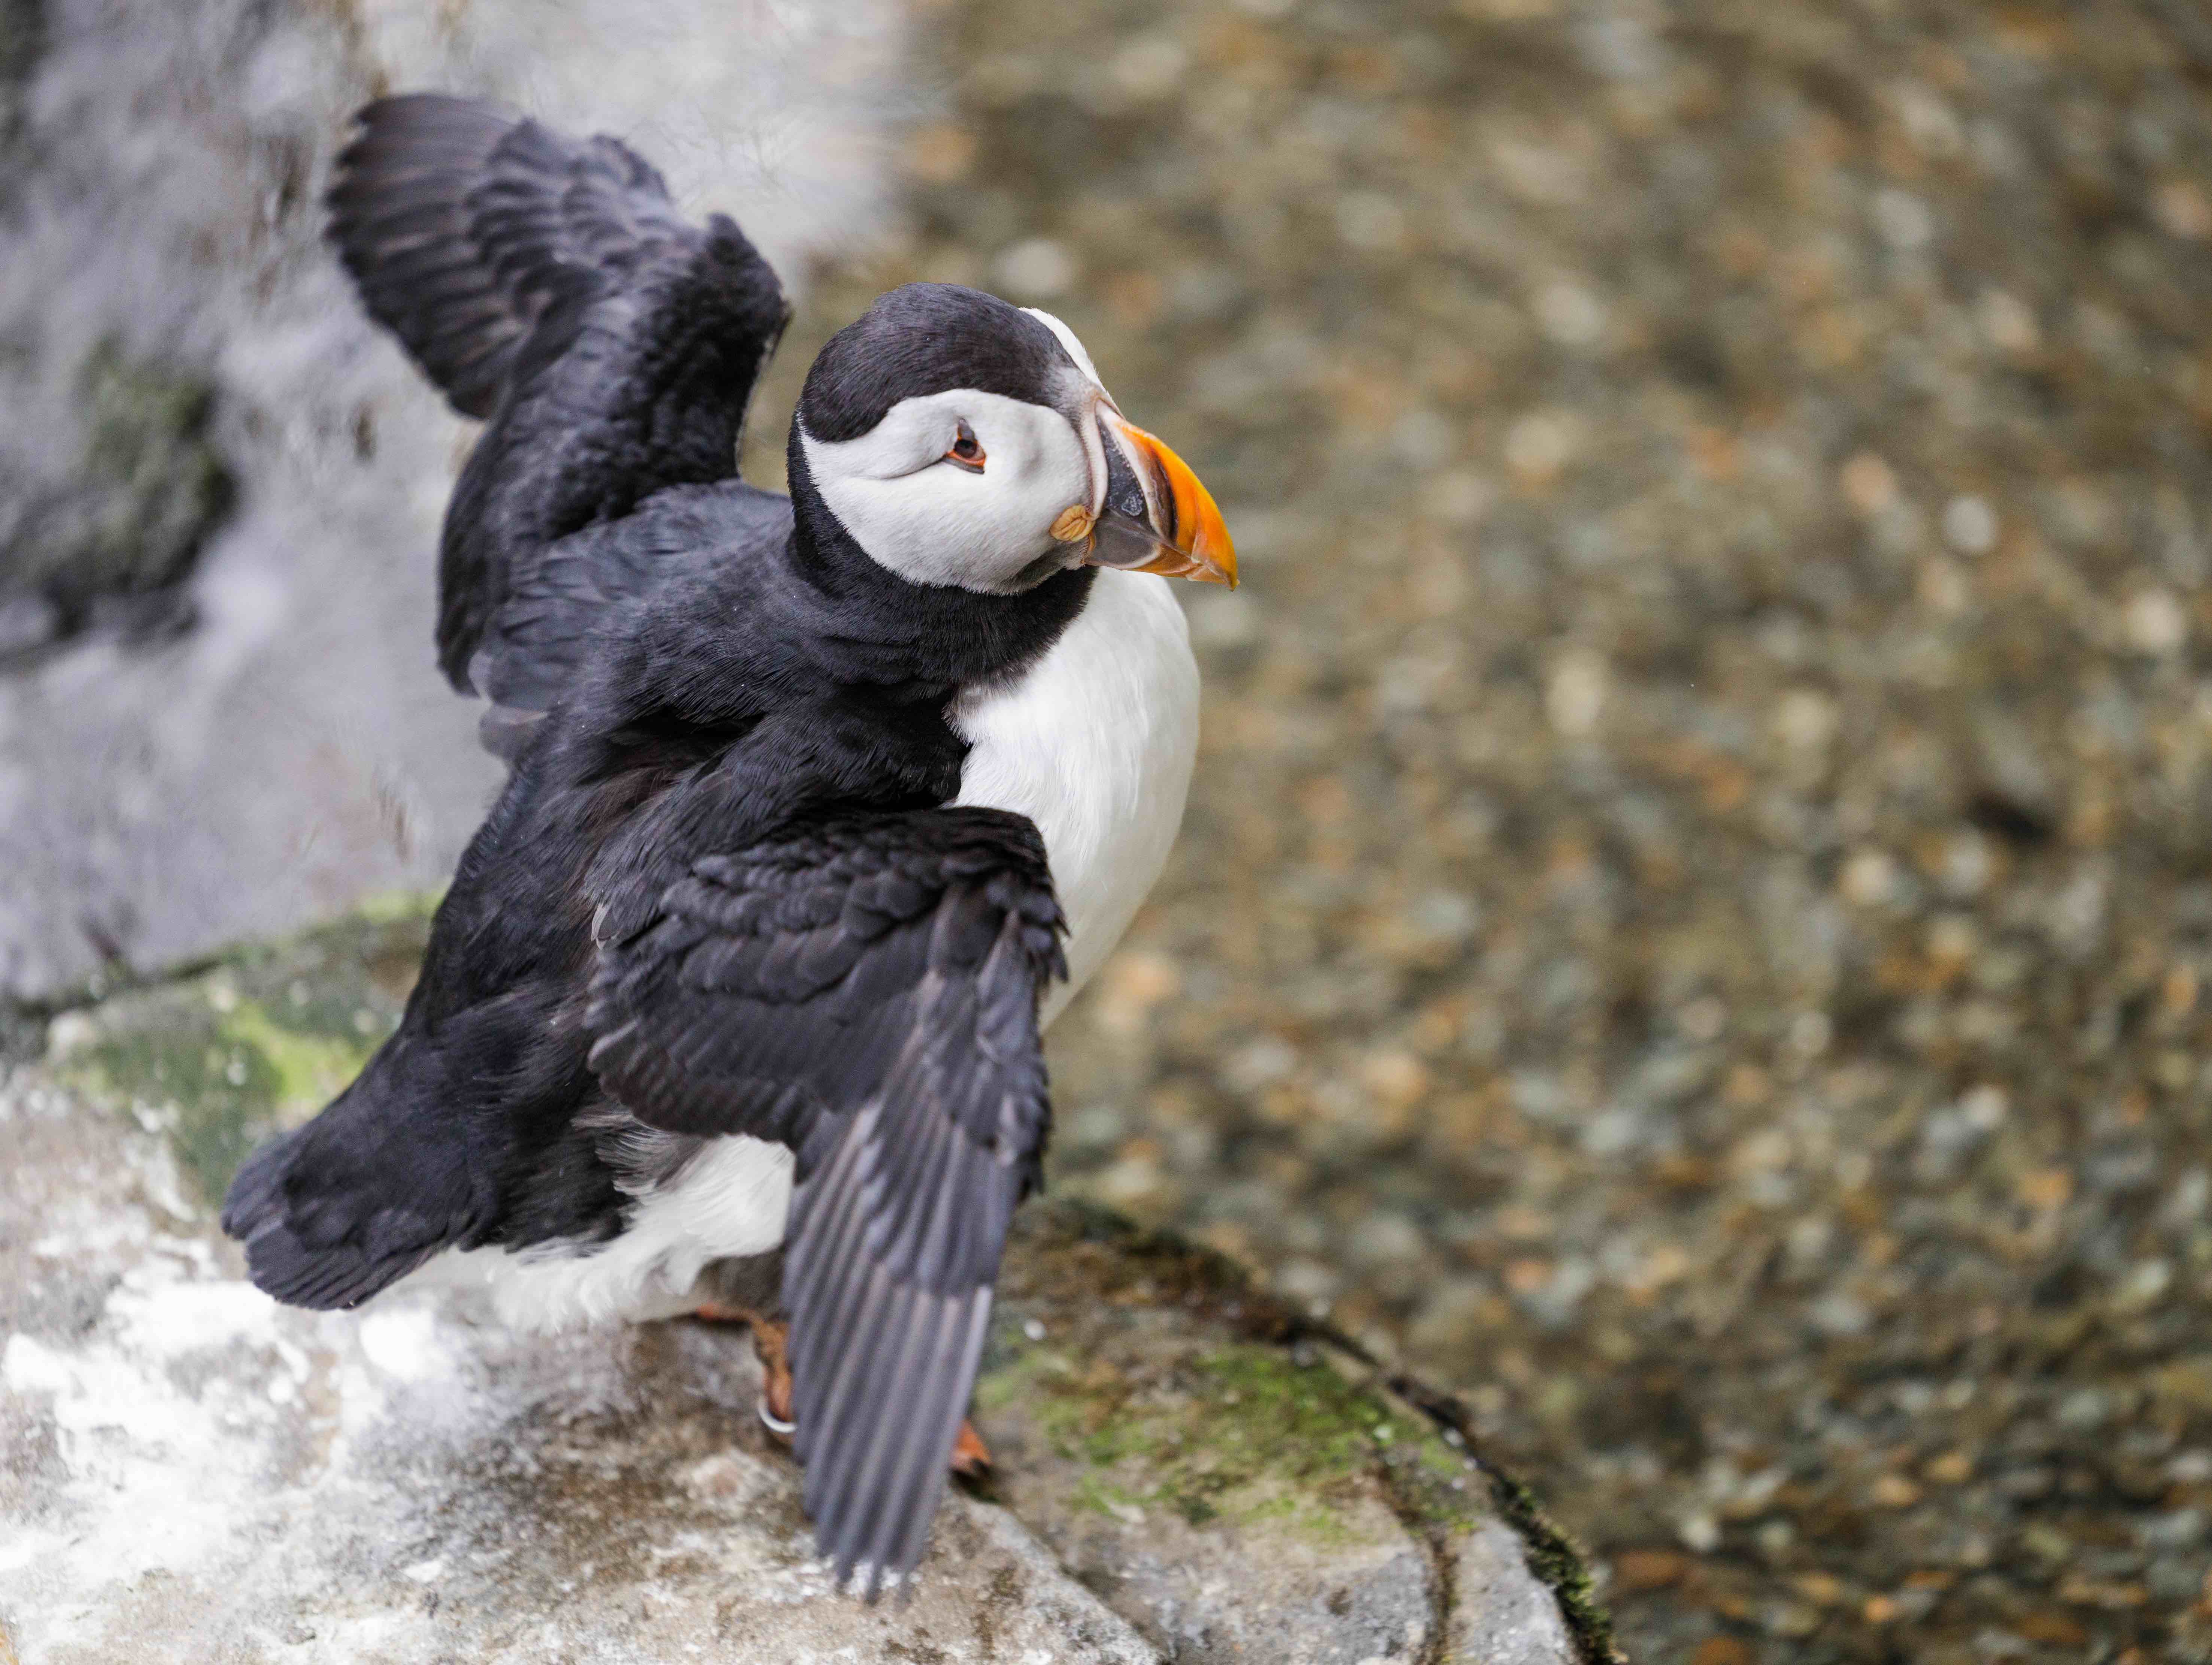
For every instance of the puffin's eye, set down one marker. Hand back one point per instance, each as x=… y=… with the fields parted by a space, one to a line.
x=967 y=450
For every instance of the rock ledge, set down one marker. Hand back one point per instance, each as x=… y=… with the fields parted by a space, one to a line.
x=188 y=1471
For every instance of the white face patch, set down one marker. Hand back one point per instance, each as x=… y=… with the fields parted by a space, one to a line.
x=931 y=520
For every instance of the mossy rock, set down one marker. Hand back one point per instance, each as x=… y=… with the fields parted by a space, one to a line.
x=257 y=1042
x=1241 y=1484
x=1185 y=1469
x=1223 y=1482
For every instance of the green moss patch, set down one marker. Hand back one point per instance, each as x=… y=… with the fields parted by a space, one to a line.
x=222 y=1060
x=1241 y=1435
x=211 y=1096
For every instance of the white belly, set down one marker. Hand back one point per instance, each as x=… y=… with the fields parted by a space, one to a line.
x=1095 y=745
x=730 y=1201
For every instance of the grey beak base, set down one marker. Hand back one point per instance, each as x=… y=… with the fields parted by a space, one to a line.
x=1125 y=541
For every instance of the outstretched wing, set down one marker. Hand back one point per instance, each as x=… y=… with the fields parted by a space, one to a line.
x=549 y=285
x=865 y=991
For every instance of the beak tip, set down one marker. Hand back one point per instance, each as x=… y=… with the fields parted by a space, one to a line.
x=1220 y=563
x=1201 y=549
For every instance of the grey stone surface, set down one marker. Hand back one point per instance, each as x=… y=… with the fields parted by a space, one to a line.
x=168 y=311
x=190 y=1473
x=1499 y=1614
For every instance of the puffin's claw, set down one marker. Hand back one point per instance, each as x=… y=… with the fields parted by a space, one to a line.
x=971 y=1458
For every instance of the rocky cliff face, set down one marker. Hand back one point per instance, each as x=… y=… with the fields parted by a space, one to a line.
x=190 y=1473
x=219 y=491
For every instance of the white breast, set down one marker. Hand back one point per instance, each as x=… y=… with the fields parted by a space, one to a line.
x=1094 y=743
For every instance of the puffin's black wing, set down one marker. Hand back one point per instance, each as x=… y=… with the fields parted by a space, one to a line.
x=865 y=991
x=550 y=285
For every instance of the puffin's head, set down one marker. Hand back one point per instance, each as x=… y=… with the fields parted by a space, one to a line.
x=962 y=440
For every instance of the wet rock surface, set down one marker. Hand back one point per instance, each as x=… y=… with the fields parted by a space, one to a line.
x=190 y=1473
x=1693 y=920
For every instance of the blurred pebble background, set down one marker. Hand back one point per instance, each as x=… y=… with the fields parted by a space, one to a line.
x=1695 y=916
x=1693 y=919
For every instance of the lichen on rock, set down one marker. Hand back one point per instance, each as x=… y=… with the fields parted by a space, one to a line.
x=1232 y=1484
x=250 y=1046
x=115 y=541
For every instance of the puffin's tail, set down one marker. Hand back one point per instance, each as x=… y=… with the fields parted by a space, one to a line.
x=335 y=1211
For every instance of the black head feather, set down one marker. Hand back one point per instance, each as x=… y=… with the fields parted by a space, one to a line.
x=923 y=339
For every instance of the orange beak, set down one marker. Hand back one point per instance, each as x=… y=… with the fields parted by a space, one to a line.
x=1188 y=538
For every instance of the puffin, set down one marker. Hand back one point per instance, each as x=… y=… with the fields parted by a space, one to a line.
x=819 y=807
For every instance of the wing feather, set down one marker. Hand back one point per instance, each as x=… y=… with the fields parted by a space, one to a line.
x=865 y=990
x=548 y=285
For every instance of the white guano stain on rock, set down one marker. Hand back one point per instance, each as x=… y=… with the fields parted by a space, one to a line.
x=426 y=1478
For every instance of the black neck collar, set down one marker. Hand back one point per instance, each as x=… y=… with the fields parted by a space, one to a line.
x=870 y=625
